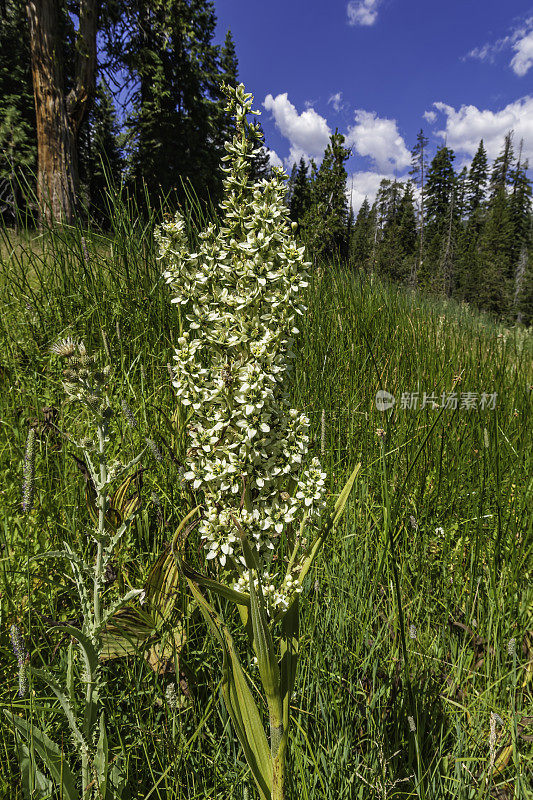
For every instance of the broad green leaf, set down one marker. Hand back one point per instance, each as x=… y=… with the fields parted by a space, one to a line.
x=342 y=499
x=264 y=649
x=329 y=525
x=289 y=656
x=49 y=752
x=240 y=598
x=239 y=701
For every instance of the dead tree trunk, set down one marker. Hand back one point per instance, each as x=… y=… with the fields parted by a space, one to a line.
x=59 y=115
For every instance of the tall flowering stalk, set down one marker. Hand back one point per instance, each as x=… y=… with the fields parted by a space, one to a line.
x=263 y=514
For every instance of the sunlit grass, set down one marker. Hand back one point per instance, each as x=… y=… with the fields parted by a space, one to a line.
x=453 y=488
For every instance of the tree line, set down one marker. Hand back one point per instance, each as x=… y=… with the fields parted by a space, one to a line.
x=68 y=67
x=466 y=235
x=102 y=93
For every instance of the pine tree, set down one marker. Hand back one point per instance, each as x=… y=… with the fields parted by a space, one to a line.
x=477 y=180
x=362 y=236
x=324 y=224
x=495 y=277
x=300 y=198
x=441 y=217
x=167 y=52
x=418 y=172
x=396 y=235
x=101 y=158
x=501 y=169
x=18 y=145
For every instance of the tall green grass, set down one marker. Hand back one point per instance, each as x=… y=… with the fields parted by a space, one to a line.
x=414 y=602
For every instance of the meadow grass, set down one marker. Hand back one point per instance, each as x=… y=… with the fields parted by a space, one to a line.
x=407 y=651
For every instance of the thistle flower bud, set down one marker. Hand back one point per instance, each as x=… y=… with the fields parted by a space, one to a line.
x=64 y=348
x=28 y=486
x=21 y=654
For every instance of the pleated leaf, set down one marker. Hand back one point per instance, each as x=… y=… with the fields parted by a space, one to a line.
x=239 y=700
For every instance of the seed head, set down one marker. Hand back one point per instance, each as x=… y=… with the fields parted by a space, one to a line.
x=130 y=418
x=154 y=449
x=28 y=487
x=21 y=654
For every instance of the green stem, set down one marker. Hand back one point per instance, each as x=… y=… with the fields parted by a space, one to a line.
x=278 y=772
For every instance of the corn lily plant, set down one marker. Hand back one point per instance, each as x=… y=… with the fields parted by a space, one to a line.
x=263 y=515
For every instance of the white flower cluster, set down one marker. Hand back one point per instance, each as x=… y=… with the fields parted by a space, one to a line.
x=239 y=299
x=276 y=599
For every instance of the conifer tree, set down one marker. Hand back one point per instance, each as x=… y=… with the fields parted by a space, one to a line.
x=362 y=236
x=418 y=172
x=18 y=145
x=441 y=216
x=101 y=158
x=300 y=197
x=477 y=179
x=493 y=291
x=324 y=224
x=167 y=52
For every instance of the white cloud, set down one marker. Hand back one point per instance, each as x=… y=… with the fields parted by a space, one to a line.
x=380 y=139
x=275 y=160
x=467 y=125
x=362 y=12
x=430 y=116
x=522 y=61
x=336 y=101
x=520 y=39
x=308 y=132
x=365 y=184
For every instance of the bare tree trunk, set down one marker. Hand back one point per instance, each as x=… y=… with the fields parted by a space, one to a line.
x=58 y=116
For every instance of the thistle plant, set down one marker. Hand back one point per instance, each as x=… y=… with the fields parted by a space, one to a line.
x=86 y=385
x=262 y=509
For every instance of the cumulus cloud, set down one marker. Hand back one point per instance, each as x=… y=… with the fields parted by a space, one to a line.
x=308 y=132
x=464 y=127
x=522 y=61
x=362 y=12
x=520 y=39
x=336 y=101
x=275 y=160
x=380 y=139
x=430 y=116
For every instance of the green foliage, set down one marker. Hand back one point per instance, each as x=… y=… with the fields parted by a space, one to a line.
x=324 y=223
x=464 y=562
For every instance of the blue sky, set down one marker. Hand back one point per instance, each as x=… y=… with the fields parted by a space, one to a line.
x=379 y=70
